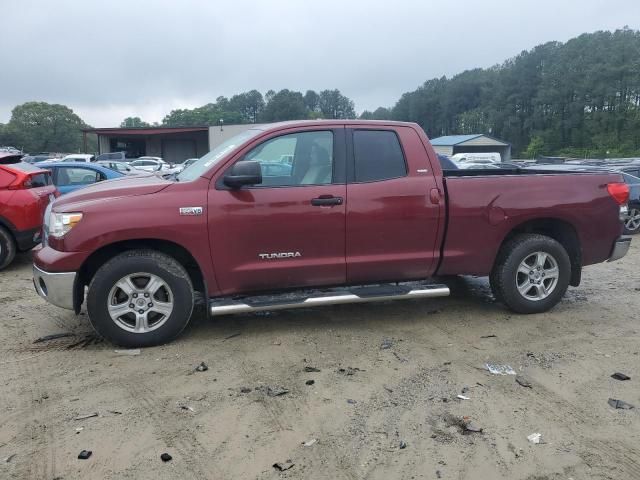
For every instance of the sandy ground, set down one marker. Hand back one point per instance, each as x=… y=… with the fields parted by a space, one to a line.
x=404 y=393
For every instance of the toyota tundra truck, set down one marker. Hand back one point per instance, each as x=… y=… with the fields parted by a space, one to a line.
x=360 y=211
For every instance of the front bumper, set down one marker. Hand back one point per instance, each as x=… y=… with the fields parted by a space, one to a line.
x=56 y=288
x=620 y=248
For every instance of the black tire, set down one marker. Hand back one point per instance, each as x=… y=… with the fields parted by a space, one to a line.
x=151 y=262
x=633 y=212
x=7 y=248
x=505 y=278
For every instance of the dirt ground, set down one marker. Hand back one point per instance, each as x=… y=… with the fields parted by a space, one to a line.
x=405 y=363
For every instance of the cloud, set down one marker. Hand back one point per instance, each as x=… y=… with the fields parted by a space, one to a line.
x=113 y=59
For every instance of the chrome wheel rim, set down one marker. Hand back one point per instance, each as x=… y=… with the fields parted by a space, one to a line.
x=537 y=276
x=140 y=302
x=633 y=221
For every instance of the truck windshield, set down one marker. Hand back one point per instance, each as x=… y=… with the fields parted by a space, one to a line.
x=214 y=156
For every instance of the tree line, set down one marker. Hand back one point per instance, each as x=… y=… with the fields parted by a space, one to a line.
x=580 y=98
x=253 y=107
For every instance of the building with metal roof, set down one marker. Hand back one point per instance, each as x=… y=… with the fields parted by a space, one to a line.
x=479 y=143
x=173 y=144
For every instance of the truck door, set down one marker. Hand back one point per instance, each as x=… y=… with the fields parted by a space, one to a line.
x=393 y=208
x=288 y=231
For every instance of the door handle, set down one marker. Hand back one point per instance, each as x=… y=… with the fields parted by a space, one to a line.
x=326 y=201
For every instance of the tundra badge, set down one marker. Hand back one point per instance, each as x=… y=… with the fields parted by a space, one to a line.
x=270 y=256
x=190 y=211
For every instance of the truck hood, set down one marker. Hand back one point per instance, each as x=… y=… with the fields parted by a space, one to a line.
x=117 y=188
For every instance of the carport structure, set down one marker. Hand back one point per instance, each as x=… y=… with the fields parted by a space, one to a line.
x=475 y=143
x=173 y=144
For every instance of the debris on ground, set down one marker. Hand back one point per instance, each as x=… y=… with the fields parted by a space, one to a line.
x=79 y=429
x=619 y=404
x=282 y=466
x=186 y=408
x=523 y=382
x=402 y=359
x=114 y=412
x=245 y=390
x=88 y=415
x=202 y=367
x=500 y=369
x=471 y=427
x=620 y=376
x=272 y=391
x=233 y=335
x=462 y=397
x=165 y=457
x=351 y=401
x=489 y=336
x=54 y=336
x=348 y=371
x=386 y=344
x=9 y=458
x=438 y=474
x=84 y=454
x=132 y=352
x=388 y=389
x=535 y=438
x=276 y=342
x=310 y=442
x=311 y=369
x=309 y=382
x=402 y=445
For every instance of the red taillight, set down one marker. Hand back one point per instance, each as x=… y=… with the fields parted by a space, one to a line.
x=619 y=192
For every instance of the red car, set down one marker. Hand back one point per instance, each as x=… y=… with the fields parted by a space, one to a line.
x=25 y=192
x=359 y=212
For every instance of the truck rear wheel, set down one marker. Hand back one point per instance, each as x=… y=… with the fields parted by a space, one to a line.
x=7 y=248
x=140 y=298
x=531 y=273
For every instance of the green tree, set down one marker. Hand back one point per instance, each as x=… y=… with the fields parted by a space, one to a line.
x=333 y=104
x=132 y=122
x=41 y=126
x=284 y=105
x=535 y=148
x=380 y=113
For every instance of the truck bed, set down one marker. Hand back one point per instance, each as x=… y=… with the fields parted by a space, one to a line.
x=486 y=205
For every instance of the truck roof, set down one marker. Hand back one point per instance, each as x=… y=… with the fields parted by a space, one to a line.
x=311 y=123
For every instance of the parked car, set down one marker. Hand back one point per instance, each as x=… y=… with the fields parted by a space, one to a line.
x=78 y=157
x=25 y=192
x=365 y=214
x=112 y=156
x=69 y=177
x=121 y=167
x=154 y=164
x=632 y=220
x=477 y=158
x=38 y=157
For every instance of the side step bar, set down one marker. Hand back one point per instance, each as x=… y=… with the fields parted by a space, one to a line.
x=366 y=294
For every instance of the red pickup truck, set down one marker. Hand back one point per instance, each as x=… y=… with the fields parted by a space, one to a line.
x=307 y=213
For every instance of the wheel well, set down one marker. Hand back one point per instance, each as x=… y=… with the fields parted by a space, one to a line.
x=561 y=231
x=102 y=255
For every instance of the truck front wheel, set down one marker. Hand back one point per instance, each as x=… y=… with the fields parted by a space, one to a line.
x=140 y=298
x=531 y=273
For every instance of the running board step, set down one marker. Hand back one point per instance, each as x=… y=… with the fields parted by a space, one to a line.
x=313 y=298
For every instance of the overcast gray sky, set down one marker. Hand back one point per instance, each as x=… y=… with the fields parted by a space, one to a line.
x=116 y=58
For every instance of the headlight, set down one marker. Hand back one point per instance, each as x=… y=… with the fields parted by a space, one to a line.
x=61 y=223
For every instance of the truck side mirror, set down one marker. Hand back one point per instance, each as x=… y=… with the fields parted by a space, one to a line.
x=246 y=172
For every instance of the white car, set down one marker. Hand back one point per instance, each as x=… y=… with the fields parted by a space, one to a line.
x=154 y=164
x=78 y=157
x=478 y=158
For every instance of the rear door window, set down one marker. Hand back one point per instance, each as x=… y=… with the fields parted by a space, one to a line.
x=377 y=156
x=76 y=176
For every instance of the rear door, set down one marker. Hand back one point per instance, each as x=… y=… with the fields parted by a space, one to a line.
x=288 y=231
x=71 y=178
x=393 y=206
